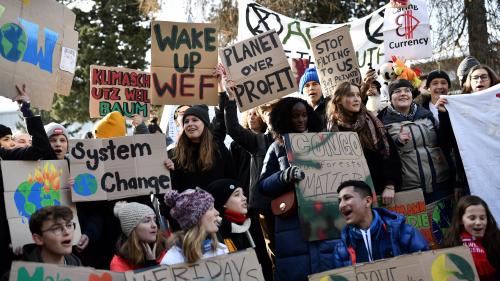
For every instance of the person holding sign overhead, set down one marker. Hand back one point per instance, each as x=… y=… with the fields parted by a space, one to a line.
x=199 y=222
x=141 y=243
x=346 y=112
x=295 y=257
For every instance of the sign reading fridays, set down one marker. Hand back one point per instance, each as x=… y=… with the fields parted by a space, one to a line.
x=118 y=89
x=260 y=70
x=108 y=169
x=30 y=186
x=327 y=159
x=38 y=48
x=241 y=265
x=183 y=58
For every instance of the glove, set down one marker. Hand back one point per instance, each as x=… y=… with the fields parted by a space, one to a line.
x=291 y=174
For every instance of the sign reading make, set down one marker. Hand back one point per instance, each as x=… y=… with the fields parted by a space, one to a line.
x=335 y=59
x=407 y=31
x=183 y=58
x=108 y=169
x=260 y=69
x=118 y=89
x=38 y=48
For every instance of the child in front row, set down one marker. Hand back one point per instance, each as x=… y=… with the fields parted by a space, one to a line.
x=473 y=225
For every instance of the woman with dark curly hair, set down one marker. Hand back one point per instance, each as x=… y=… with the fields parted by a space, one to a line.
x=346 y=112
x=295 y=257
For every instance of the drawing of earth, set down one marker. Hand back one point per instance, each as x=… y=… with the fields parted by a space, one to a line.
x=13 y=42
x=30 y=197
x=85 y=184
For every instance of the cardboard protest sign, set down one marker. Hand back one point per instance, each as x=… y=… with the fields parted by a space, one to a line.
x=411 y=204
x=260 y=70
x=32 y=185
x=241 y=265
x=476 y=124
x=255 y=19
x=407 y=31
x=38 y=48
x=33 y=271
x=440 y=213
x=335 y=59
x=327 y=159
x=450 y=264
x=108 y=169
x=183 y=58
x=119 y=89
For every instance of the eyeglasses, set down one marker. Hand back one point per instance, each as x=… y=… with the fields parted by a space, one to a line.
x=483 y=77
x=58 y=229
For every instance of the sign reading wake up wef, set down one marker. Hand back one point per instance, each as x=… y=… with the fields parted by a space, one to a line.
x=38 y=47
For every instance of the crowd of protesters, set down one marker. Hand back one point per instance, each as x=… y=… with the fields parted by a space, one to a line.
x=220 y=201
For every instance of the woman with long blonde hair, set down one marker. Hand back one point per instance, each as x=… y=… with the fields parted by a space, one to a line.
x=141 y=244
x=199 y=222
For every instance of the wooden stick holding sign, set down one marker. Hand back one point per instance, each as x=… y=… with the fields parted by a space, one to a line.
x=335 y=59
x=260 y=70
x=241 y=265
x=183 y=58
x=119 y=89
x=108 y=169
x=327 y=159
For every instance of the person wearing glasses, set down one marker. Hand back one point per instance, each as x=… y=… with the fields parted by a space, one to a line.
x=52 y=229
x=480 y=77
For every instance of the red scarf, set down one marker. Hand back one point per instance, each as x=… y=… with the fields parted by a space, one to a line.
x=235 y=217
x=483 y=266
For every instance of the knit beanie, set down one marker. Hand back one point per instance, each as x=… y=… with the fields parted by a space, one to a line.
x=131 y=214
x=189 y=206
x=55 y=129
x=4 y=130
x=437 y=74
x=110 y=126
x=310 y=75
x=221 y=190
x=398 y=84
x=463 y=68
x=200 y=111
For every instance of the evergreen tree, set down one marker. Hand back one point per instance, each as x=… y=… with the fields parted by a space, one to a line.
x=112 y=33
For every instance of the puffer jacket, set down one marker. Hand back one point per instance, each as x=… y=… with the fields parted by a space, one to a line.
x=423 y=163
x=295 y=257
x=391 y=236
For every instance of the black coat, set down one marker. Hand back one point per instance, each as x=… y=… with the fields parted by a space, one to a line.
x=256 y=145
x=39 y=149
x=240 y=240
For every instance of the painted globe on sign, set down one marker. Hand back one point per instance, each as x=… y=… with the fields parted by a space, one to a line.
x=30 y=197
x=85 y=184
x=13 y=41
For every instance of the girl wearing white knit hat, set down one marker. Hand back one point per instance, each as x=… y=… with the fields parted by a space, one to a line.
x=141 y=244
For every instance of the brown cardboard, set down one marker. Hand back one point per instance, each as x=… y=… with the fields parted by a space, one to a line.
x=41 y=79
x=33 y=271
x=130 y=159
x=33 y=175
x=327 y=159
x=241 y=265
x=411 y=204
x=260 y=70
x=431 y=265
x=335 y=59
x=119 y=89
x=184 y=54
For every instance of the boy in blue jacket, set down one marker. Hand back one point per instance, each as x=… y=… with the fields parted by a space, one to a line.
x=371 y=233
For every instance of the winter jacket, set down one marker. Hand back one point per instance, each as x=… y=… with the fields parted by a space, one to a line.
x=241 y=159
x=120 y=264
x=423 y=163
x=320 y=110
x=39 y=149
x=391 y=236
x=256 y=145
x=296 y=258
x=175 y=256
x=484 y=268
x=235 y=236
